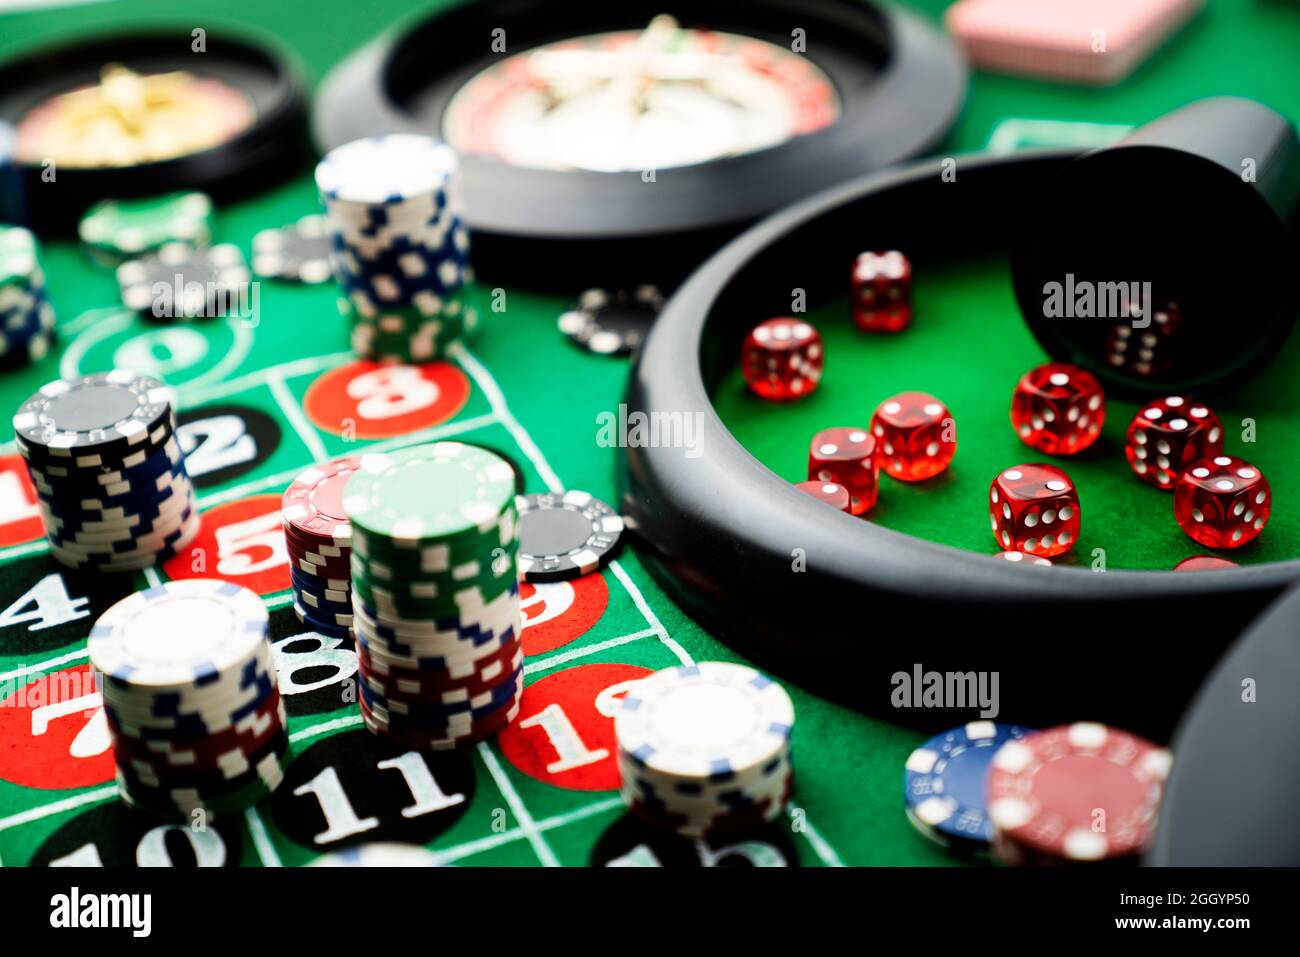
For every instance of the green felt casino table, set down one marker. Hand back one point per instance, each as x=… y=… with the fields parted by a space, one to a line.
x=268 y=397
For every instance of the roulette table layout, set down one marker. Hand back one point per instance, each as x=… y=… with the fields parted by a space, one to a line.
x=598 y=296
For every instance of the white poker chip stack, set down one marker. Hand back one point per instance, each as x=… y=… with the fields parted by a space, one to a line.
x=190 y=691
x=400 y=249
x=704 y=750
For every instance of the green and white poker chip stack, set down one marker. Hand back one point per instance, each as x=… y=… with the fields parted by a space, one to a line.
x=435 y=593
x=116 y=230
x=26 y=317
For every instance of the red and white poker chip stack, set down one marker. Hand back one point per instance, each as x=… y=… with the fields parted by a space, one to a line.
x=1075 y=793
x=318 y=538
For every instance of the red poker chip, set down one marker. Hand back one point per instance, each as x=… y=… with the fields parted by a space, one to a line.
x=339 y=570
x=313 y=502
x=323 y=549
x=1077 y=792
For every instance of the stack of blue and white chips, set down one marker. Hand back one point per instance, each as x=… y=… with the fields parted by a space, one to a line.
x=400 y=249
x=108 y=469
x=26 y=317
x=190 y=692
x=704 y=749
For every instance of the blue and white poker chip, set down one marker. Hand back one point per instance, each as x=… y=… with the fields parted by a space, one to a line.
x=705 y=720
x=382 y=170
x=380 y=854
x=179 y=635
x=943 y=783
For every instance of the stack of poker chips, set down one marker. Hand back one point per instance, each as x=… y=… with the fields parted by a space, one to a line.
x=380 y=854
x=704 y=750
x=26 y=317
x=109 y=472
x=115 y=230
x=189 y=689
x=318 y=539
x=400 y=249
x=435 y=594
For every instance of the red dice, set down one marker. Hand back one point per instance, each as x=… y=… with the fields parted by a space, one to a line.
x=1222 y=502
x=782 y=359
x=1020 y=558
x=882 y=292
x=847 y=457
x=1146 y=352
x=915 y=436
x=834 y=495
x=1204 y=563
x=1034 y=509
x=1058 y=409
x=1168 y=435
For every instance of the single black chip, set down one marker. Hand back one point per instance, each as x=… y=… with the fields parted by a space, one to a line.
x=612 y=322
x=181 y=282
x=565 y=535
x=299 y=252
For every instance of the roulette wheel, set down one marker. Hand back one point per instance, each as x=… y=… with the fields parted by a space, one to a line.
x=137 y=114
x=607 y=131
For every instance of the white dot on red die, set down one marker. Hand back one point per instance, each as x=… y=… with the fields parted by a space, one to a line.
x=1247 y=473
x=1066 y=513
x=932 y=408
x=1059 y=378
x=1200 y=471
x=1013 y=474
x=828 y=448
x=1174 y=400
x=1224 y=485
x=1055 y=485
x=1259 y=499
x=1153 y=414
x=1178 y=424
x=1222 y=460
x=857 y=436
x=892 y=407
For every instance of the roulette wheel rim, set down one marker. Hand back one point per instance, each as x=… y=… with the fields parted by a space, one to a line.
x=718 y=527
x=266 y=150
x=916 y=87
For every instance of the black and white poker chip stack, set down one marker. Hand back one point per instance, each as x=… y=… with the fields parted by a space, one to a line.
x=108 y=469
x=400 y=249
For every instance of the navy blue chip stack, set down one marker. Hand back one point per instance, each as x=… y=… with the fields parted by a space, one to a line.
x=400 y=249
x=26 y=317
x=190 y=692
x=108 y=469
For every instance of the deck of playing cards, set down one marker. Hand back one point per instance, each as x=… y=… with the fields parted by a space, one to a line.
x=1079 y=41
